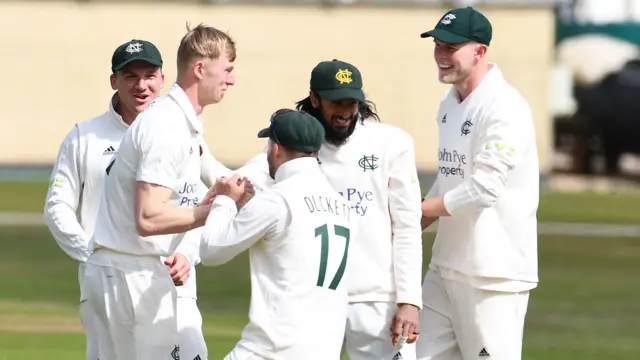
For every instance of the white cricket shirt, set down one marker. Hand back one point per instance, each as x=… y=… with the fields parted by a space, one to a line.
x=161 y=147
x=300 y=234
x=77 y=181
x=375 y=172
x=489 y=176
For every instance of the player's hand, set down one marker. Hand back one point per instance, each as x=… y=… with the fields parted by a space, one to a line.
x=405 y=325
x=208 y=198
x=249 y=192
x=179 y=268
x=233 y=187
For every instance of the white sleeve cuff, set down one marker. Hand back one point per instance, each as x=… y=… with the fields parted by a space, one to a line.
x=225 y=202
x=455 y=199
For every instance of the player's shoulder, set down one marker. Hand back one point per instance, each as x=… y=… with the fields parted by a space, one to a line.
x=161 y=109
x=386 y=134
x=272 y=200
x=98 y=119
x=505 y=96
x=160 y=115
x=383 y=130
x=93 y=125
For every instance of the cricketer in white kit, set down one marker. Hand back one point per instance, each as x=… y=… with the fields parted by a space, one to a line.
x=299 y=235
x=372 y=165
x=79 y=173
x=77 y=179
x=143 y=216
x=484 y=259
x=126 y=282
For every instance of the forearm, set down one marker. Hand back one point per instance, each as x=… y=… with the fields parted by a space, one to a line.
x=166 y=218
x=62 y=199
x=404 y=205
x=190 y=246
x=434 y=208
x=228 y=232
x=425 y=222
x=67 y=231
x=407 y=263
x=216 y=247
x=480 y=191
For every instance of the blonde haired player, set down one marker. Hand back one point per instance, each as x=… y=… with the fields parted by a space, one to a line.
x=142 y=218
x=484 y=259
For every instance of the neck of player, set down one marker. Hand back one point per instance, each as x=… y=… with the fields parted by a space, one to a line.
x=471 y=82
x=191 y=90
x=127 y=116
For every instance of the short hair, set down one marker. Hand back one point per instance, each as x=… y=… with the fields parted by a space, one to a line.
x=204 y=42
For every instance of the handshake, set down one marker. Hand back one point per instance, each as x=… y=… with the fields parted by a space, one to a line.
x=237 y=188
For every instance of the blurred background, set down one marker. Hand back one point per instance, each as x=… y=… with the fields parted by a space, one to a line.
x=576 y=62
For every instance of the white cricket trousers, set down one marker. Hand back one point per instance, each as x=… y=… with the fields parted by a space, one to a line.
x=368 y=335
x=460 y=322
x=192 y=344
x=135 y=306
x=87 y=318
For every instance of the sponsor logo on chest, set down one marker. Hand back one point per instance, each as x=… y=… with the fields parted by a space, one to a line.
x=358 y=199
x=451 y=162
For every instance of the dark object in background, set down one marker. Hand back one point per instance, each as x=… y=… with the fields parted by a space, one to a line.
x=607 y=119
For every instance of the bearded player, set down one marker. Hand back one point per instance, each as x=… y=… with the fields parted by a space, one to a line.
x=372 y=165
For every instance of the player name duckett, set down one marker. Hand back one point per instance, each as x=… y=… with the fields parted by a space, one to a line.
x=325 y=204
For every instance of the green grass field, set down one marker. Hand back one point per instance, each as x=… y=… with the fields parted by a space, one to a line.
x=615 y=208
x=587 y=306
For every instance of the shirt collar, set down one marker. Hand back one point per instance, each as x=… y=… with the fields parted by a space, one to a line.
x=112 y=110
x=297 y=166
x=178 y=95
x=493 y=74
x=489 y=78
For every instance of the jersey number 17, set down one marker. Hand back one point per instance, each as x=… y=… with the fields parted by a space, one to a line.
x=323 y=232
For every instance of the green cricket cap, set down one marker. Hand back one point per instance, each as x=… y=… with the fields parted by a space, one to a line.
x=135 y=50
x=462 y=25
x=337 y=80
x=294 y=130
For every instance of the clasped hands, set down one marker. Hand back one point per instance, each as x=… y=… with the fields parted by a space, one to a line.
x=239 y=189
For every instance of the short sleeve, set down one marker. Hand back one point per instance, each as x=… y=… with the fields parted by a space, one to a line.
x=163 y=153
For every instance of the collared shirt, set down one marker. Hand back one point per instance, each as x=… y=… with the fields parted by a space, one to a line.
x=299 y=233
x=489 y=177
x=77 y=180
x=161 y=147
x=375 y=172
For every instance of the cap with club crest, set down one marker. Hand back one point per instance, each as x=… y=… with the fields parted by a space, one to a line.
x=462 y=25
x=135 y=50
x=337 y=80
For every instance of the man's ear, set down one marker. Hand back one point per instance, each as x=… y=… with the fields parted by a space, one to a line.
x=198 y=69
x=112 y=80
x=315 y=100
x=482 y=50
